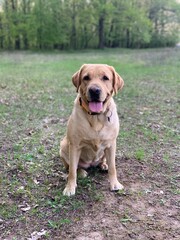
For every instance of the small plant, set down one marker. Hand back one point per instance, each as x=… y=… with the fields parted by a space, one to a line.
x=57 y=224
x=41 y=149
x=7 y=210
x=17 y=147
x=125 y=219
x=121 y=192
x=176 y=191
x=85 y=182
x=98 y=197
x=61 y=203
x=53 y=224
x=166 y=158
x=28 y=157
x=162 y=201
x=139 y=154
x=64 y=221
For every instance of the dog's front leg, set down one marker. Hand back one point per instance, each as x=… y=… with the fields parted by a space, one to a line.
x=74 y=154
x=110 y=157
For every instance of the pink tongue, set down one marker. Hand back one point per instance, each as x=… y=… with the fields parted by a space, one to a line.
x=96 y=106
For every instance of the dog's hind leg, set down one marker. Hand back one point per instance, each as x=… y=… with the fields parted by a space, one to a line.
x=66 y=165
x=103 y=165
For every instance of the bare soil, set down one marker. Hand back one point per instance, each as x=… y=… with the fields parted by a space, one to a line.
x=146 y=210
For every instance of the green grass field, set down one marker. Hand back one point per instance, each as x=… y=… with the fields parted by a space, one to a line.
x=36 y=99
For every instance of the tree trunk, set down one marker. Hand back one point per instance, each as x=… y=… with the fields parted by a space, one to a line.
x=73 y=29
x=15 y=22
x=101 y=32
x=26 y=10
x=73 y=32
x=127 y=38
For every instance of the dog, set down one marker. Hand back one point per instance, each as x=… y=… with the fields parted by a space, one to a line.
x=93 y=126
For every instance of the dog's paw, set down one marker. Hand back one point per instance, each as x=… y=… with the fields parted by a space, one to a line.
x=104 y=166
x=115 y=186
x=82 y=173
x=69 y=191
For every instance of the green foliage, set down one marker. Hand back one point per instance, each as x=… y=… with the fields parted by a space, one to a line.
x=78 y=24
x=165 y=16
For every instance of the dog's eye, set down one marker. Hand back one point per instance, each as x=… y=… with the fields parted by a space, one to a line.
x=105 y=78
x=87 y=78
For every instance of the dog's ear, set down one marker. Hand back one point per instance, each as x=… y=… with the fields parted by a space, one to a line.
x=76 y=78
x=118 y=82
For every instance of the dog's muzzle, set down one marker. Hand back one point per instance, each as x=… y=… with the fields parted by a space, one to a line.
x=94 y=97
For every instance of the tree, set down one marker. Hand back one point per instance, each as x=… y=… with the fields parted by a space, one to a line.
x=130 y=26
x=103 y=10
x=164 y=15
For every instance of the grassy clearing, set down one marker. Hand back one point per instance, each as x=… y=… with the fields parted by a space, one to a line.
x=36 y=98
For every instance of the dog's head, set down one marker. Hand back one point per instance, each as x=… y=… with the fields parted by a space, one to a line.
x=96 y=83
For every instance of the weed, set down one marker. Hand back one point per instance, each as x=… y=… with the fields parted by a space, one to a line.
x=162 y=201
x=61 y=203
x=166 y=158
x=121 y=192
x=58 y=224
x=28 y=157
x=8 y=211
x=53 y=224
x=41 y=149
x=98 y=197
x=86 y=182
x=176 y=191
x=125 y=219
x=17 y=147
x=140 y=154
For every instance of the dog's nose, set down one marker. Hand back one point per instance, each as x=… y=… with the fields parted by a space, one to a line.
x=94 y=93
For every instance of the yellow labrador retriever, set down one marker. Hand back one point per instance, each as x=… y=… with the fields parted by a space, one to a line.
x=93 y=125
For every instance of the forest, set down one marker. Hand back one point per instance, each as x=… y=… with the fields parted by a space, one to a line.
x=82 y=24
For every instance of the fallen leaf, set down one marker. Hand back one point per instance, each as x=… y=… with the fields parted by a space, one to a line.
x=25 y=208
x=35 y=181
x=37 y=235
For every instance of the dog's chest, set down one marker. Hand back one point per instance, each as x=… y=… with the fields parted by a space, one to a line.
x=93 y=150
x=97 y=123
x=97 y=145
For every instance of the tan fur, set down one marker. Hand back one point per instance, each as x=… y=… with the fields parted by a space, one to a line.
x=91 y=139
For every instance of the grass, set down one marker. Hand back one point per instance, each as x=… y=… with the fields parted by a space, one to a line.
x=139 y=154
x=36 y=99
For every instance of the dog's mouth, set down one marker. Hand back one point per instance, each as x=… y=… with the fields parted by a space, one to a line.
x=95 y=107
